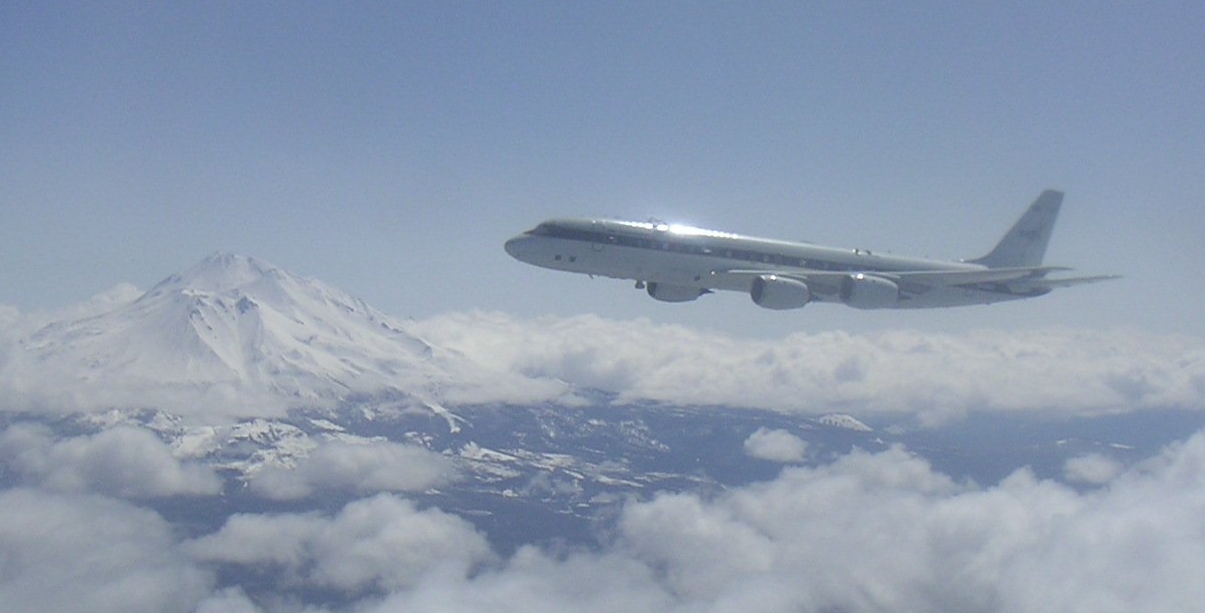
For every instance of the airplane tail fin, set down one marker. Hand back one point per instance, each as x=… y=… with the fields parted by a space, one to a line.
x=1025 y=243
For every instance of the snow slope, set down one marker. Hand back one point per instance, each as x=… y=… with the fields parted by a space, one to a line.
x=235 y=335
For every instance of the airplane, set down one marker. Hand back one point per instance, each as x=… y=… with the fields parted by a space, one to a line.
x=677 y=263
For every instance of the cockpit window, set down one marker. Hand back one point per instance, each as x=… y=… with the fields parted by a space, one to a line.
x=558 y=230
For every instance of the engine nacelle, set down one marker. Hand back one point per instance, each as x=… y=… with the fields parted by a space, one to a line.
x=869 y=292
x=674 y=293
x=774 y=292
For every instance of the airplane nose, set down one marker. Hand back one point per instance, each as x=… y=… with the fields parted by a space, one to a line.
x=517 y=247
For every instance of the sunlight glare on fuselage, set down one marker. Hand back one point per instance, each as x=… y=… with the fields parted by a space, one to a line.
x=678 y=229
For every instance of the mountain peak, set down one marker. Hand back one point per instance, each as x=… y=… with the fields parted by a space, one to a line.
x=227 y=261
x=221 y=271
x=245 y=324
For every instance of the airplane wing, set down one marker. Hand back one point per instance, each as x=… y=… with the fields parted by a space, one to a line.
x=924 y=277
x=915 y=281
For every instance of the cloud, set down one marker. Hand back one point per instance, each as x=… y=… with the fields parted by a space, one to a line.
x=12 y=329
x=383 y=542
x=204 y=356
x=14 y=323
x=1093 y=468
x=534 y=581
x=868 y=532
x=10 y=323
x=229 y=600
x=932 y=376
x=775 y=446
x=117 y=296
x=123 y=461
x=875 y=532
x=359 y=467
x=69 y=552
x=484 y=358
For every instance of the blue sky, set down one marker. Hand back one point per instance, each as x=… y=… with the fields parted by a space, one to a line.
x=390 y=148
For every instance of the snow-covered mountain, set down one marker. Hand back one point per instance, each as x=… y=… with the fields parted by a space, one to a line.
x=841 y=420
x=231 y=334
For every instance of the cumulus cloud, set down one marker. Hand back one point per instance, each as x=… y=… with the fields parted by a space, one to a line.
x=123 y=461
x=10 y=320
x=868 y=532
x=1093 y=468
x=69 y=552
x=229 y=600
x=378 y=543
x=359 y=467
x=117 y=296
x=482 y=357
x=11 y=330
x=775 y=446
x=222 y=361
x=533 y=581
x=14 y=323
x=876 y=532
x=934 y=376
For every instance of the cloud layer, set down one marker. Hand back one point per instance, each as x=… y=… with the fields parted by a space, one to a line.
x=879 y=532
x=379 y=543
x=869 y=532
x=123 y=461
x=73 y=552
x=933 y=376
x=876 y=533
x=496 y=358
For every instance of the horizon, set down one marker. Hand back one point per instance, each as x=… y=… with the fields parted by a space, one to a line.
x=145 y=345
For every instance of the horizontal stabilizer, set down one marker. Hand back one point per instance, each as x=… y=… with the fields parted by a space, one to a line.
x=1069 y=282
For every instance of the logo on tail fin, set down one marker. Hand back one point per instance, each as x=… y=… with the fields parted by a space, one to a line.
x=1025 y=243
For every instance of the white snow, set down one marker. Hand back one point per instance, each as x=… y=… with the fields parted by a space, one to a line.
x=232 y=336
x=327 y=425
x=197 y=442
x=452 y=419
x=840 y=420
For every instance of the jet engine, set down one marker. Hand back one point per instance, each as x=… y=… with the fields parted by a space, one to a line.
x=774 y=292
x=862 y=291
x=674 y=293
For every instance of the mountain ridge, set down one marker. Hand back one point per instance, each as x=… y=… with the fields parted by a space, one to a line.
x=239 y=330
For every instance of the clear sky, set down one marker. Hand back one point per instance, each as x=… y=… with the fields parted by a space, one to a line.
x=390 y=148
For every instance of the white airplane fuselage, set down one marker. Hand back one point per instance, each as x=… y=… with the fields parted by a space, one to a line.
x=680 y=263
